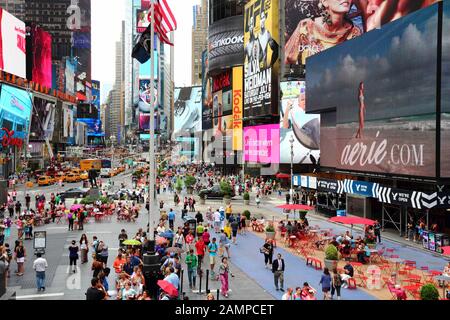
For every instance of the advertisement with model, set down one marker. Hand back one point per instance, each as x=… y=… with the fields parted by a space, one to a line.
x=316 y=25
x=12 y=44
x=207 y=107
x=261 y=144
x=39 y=56
x=15 y=110
x=385 y=104
x=261 y=66
x=226 y=43
x=295 y=124
x=68 y=122
x=43 y=119
x=187 y=110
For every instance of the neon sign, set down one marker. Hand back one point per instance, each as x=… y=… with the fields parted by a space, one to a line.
x=9 y=141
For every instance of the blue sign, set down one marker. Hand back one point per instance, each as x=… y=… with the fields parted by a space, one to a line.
x=341 y=213
x=362 y=188
x=15 y=110
x=82 y=40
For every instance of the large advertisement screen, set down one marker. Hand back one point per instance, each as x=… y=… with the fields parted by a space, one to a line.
x=68 y=122
x=226 y=43
x=87 y=111
x=237 y=103
x=15 y=110
x=261 y=144
x=43 y=119
x=445 y=91
x=145 y=95
x=96 y=93
x=70 y=77
x=142 y=21
x=207 y=107
x=303 y=128
x=82 y=41
x=316 y=25
x=187 y=110
x=261 y=45
x=40 y=56
x=12 y=44
x=383 y=87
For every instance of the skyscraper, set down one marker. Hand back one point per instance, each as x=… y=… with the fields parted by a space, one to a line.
x=15 y=7
x=199 y=40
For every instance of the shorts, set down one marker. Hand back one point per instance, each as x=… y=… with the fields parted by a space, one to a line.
x=212 y=259
x=234 y=233
x=21 y=260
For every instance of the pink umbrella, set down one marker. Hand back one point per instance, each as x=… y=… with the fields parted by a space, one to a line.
x=168 y=287
x=76 y=207
x=295 y=207
x=446 y=250
x=352 y=221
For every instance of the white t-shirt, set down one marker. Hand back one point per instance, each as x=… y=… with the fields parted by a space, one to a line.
x=217 y=216
x=40 y=264
x=286 y=296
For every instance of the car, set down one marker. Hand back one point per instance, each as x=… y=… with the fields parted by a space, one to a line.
x=45 y=181
x=73 y=177
x=76 y=171
x=213 y=192
x=84 y=175
x=74 y=193
x=60 y=176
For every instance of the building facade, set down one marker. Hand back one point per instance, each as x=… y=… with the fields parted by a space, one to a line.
x=199 y=40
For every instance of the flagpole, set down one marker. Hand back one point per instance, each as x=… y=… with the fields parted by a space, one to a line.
x=151 y=152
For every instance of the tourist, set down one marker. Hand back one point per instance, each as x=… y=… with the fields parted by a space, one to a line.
x=95 y=292
x=234 y=229
x=325 y=281
x=119 y=262
x=278 y=272
x=40 y=265
x=20 y=254
x=336 y=284
x=199 y=217
x=192 y=263
x=200 y=229
x=224 y=243
x=73 y=256
x=224 y=271
x=288 y=295
x=200 y=248
x=267 y=250
x=171 y=216
x=298 y=294
x=212 y=250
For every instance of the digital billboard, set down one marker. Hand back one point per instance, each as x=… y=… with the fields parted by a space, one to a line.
x=144 y=122
x=237 y=103
x=316 y=25
x=217 y=112
x=207 y=107
x=261 y=144
x=68 y=124
x=145 y=96
x=43 y=119
x=70 y=77
x=96 y=93
x=15 y=110
x=87 y=111
x=445 y=91
x=187 y=110
x=82 y=42
x=261 y=64
x=39 y=56
x=142 y=20
x=144 y=68
x=12 y=44
x=294 y=122
x=384 y=92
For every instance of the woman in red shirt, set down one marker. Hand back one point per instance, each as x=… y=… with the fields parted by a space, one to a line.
x=206 y=237
x=189 y=240
x=200 y=248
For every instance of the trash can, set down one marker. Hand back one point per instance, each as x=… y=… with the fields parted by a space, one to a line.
x=192 y=222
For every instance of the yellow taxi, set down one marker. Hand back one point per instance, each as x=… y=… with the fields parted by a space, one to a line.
x=84 y=175
x=113 y=172
x=73 y=177
x=45 y=181
x=60 y=176
x=76 y=171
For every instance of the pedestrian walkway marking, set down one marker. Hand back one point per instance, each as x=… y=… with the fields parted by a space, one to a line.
x=44 y=295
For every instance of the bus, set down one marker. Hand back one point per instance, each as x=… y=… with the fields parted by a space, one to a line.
x=88 y=164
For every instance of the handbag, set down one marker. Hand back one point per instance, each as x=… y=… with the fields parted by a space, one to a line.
x=263 y=250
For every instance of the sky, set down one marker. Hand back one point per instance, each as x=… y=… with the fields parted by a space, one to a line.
x=103 y=47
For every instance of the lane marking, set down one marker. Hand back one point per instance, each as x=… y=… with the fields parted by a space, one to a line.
x=44 y=295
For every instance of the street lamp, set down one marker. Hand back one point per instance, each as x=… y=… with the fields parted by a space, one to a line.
x=112 y=139
x=291 y=141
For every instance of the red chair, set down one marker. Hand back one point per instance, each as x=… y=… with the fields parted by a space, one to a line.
x=351 y=283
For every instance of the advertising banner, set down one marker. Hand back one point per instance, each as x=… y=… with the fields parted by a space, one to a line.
x=87 y=111
x=145 y=96
x=261 y=144
x=327 y=185
x=207 y=100
x=445 y=92
x=39 y=57
x=305 y=181
x=43 y=119
x=144 y=68
x=382 y=126
x=67 y=122
x=310 y=28
x=15 y=110
x=237 y=107
x=82 y=42
x=70 y=77
x=294 y=122
x=226 y=43
x=187 y=110
x=217 y=112
x=144 y=122
x=12 y=45
x=96 y=93
x=142 y=21
x=261 y=46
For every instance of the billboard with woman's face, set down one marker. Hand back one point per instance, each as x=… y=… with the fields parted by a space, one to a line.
x=316 y=25
x=383 y=87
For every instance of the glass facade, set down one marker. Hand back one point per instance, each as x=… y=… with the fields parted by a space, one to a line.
x=221 y=9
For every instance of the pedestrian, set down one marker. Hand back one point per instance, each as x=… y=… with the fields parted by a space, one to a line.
x=199 y=230
x=2 y=232
x=257 y=200
x=234 y=229
x=189 y=240
x=84 y=247
x=97 y=266
x=267 y=250
x=217 y=221
x=171 y=216
x=336 y=284
x=325 y=281
x=95 y=292
x=377 y=229
x=212 y=250
x=73 y=256
x=122 y=237
x=288 y=295
x=18 y=208
x=20 y=254
x=288 y=197
x=103 y=252
x=27 y=201
x=278 y=272
x=39 y=265
x=224 y=243
x=200 y=248
x=206 y=236
x=81 y=216
x=199 y=217
x=71 y=219
x=192 y=264
x=224 y=271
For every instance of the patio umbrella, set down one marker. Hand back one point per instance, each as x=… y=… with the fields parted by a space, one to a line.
x=295 y=207
x=446 y=250
x=132 y=242
x=282 y=176
x=75 y=206
x=352 y=220
x=168 y=288
x=174 y=250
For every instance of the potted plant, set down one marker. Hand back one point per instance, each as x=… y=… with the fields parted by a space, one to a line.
x=179 y=185
x=202 y=198
x=429 y=292
x=246 y=213
x=331 y=257
x=270 y=232
x=226 y=189
x=246 y=198
x=189 y=182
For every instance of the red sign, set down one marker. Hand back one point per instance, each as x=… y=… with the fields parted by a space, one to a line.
x=9 y=140
x=222 y=81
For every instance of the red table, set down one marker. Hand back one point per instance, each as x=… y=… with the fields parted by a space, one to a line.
x=356 y=265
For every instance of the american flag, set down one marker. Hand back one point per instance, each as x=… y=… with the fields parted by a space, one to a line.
x=165 y=20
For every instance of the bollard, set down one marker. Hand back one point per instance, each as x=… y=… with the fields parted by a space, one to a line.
x=182 y=275
x=200 y=281
x=218 y=294
x=207 y=281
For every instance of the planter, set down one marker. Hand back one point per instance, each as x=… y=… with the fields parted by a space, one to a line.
x=246 y=202
x=190 y=190
x=226 y=201
x=331 y=264
x=270 y=235
x=202 y=201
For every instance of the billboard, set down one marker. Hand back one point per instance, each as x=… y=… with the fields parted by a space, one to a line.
x=226 y=43
x=311 y=29
x=294 y=122
x=67 y=122
x=207 y=108
x=70 y=77
x=217 y=112
x=43 y=119
x=142 y=20
x=187 y=110
x=12 y=45
x=144 y=68
x=87 y=111
x=237 y=103
x=96 y=93
x=39 y=57
x=385 y=104
x=445 y=91
x=261 y=144
x=15 y=110
x=261 y=45
x=144 y=122
x=82 y=41
x=145 y=96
